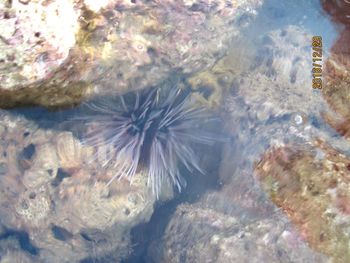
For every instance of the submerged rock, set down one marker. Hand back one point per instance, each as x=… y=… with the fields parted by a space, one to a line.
x=277 y=82
x=339 y=10
x=336 y=90
x=11 y=250
x=39 y=63
x=199 y=234
x=35 y=39
x=144 y=42
x=110 y=45
x=54 y=191
x=311 y=185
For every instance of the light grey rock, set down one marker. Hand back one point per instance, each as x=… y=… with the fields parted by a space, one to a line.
x=52 y=191
x=197 y=234
x=35 y=39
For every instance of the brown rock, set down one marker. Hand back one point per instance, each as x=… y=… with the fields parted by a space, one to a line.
x=312 y=187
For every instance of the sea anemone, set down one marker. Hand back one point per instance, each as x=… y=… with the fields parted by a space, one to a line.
x=150 y=132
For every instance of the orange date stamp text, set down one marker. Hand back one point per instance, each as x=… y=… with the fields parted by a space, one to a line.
x=317 y=62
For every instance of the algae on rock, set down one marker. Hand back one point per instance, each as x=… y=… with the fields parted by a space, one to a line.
x=311 y=185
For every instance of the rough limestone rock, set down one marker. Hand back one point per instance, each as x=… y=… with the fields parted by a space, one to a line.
x=53 y=190
x=199 y=234
x=277 y=84
x=109 y=45
x=336 y=90
x=311 y=185
x=35 y=39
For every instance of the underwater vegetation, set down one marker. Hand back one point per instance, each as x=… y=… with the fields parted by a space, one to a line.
x=150 y=132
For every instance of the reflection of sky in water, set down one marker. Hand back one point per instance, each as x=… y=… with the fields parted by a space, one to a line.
x=276 y=14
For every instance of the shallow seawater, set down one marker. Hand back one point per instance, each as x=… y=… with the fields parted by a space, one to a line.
x=238 y=158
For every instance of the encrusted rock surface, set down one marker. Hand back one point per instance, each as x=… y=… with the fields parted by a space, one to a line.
x=39 y=61
x=109 y=45
x=54 y=190
x=277 y=84
x=200 y=234
x=338 y=10
x=144 y=42
x=272 y=103
x=11 y=252
x=271 y=79
x=311 y=185
x=35 y=39
x=336 y=90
